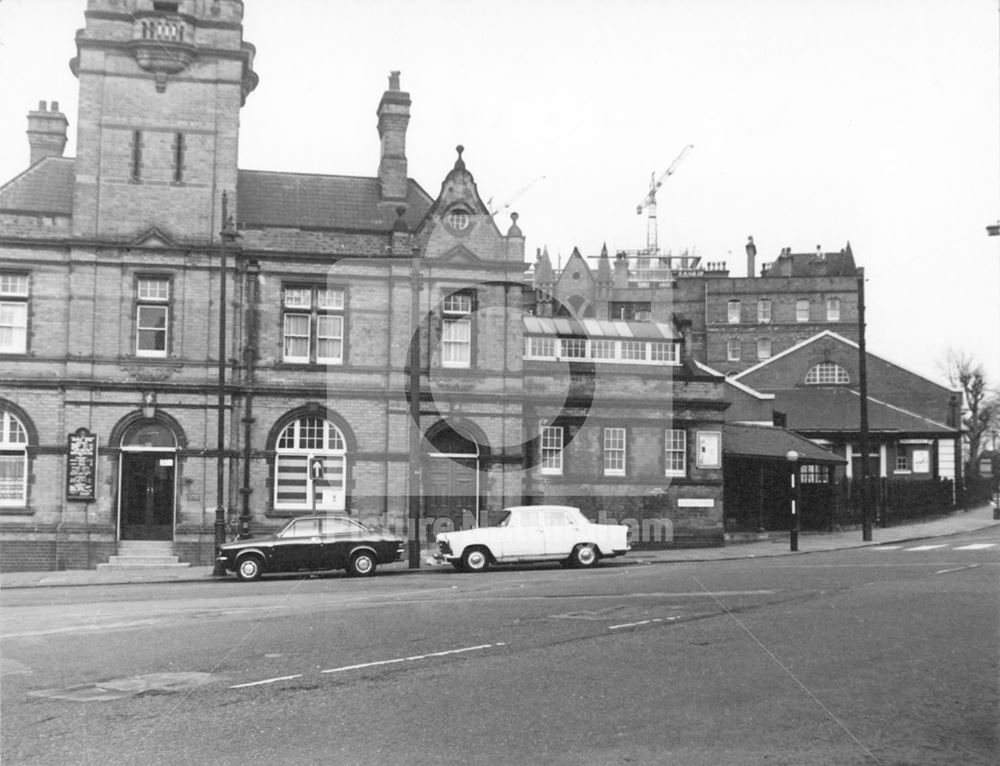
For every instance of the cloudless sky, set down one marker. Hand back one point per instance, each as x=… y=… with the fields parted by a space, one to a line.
x=814 y=122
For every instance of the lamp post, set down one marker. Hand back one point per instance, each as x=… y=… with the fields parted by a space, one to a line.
x=227 y=234
x=793 y=531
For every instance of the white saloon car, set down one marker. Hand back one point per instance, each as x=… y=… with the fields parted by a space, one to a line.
x=534 y=533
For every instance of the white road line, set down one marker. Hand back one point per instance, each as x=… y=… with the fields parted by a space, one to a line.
x=976 y=547
x=413 y=658
x=956 y=569
x=641 y=622
x=886 y=548
x=927 y=547
x=266 y=681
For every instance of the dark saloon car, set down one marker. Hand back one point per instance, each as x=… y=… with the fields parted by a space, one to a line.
x=310 y=543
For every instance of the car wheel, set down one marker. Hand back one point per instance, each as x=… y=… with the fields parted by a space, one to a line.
x=584 y=556
x=476 y=560
x=362 y=564
x=249 y=568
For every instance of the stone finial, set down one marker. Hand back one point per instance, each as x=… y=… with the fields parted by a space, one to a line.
x=459 y=163
x=400 y=224
x=514 y=230
x=394 y=80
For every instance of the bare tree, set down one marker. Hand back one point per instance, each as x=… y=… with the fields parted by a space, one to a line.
x=981 y=410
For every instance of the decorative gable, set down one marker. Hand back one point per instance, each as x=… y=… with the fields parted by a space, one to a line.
x=460 y=254
x=154 y=237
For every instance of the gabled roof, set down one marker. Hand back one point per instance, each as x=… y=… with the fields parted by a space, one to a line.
x=837 y=408
x=45 y=188
x=771 y=442
x=841 y=339
x=734 y=383
x=307 y=201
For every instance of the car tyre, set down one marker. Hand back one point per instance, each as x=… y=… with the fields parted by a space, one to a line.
x=249 y=568
x=476 y=560
x=362 y=564
x=584 y=556
x=458 y=565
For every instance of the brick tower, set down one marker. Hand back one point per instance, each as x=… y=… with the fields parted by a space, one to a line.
x=161 y=86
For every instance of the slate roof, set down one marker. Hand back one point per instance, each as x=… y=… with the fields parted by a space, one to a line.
x=771 y=442
x=833 y=408
x=301 y=200
x=265 y=199
x=812 y=265
x=44 y=188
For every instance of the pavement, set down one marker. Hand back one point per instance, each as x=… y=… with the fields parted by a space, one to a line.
x=775 y=545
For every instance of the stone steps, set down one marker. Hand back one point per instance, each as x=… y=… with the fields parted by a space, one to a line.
x=143 y=554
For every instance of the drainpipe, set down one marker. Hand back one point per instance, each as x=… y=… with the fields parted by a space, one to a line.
x=252 y=292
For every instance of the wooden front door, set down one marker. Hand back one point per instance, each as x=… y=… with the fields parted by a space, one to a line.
x=147 y=495
x=451 y=488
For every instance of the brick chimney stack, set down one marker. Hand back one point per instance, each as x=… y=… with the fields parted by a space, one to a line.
x=46 y=132
x=393 y=116
x=751 y=257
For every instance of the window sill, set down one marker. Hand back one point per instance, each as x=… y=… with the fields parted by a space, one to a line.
x=16 y=510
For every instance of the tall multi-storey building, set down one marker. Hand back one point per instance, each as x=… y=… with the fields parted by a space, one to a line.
x=189 y=347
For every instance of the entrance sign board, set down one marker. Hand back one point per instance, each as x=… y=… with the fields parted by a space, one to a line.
x=81 y=467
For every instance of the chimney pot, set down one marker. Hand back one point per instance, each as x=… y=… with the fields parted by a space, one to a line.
x=393 y=117
x=46 y=132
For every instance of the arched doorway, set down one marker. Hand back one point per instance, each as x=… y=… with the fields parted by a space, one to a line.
x=148 y=482
x=452 y=479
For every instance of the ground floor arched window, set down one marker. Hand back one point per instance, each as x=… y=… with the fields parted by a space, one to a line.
x=310 y=466
x=13 y=460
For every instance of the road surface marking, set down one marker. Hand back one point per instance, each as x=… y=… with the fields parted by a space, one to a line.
x=927 y=547
x=412 y=658
x=887 y=547
x=642 y=622
x=265 y=681
x=956 y=569
x=976 y=547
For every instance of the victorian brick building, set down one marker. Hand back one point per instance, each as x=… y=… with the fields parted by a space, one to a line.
x=363 y=341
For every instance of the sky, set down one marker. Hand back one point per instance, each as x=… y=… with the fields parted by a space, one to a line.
x=814 y=123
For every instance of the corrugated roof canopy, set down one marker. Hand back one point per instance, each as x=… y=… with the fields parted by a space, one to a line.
x=599 y=328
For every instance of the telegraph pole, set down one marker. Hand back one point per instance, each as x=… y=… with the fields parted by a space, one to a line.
x=866 y=522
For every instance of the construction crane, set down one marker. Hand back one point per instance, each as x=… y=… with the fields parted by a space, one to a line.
x=518 y=193
x=649 y=201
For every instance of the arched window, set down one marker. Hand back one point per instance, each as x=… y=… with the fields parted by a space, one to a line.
x=310 y=466
x=826 y=373
x=13 y=460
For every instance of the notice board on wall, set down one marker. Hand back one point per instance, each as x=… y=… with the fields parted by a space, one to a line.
x=81 y=466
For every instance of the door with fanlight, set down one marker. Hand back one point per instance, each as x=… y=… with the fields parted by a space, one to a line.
x=148 y=475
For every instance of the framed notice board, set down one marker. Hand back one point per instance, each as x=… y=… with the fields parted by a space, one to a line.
x=81 y=466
